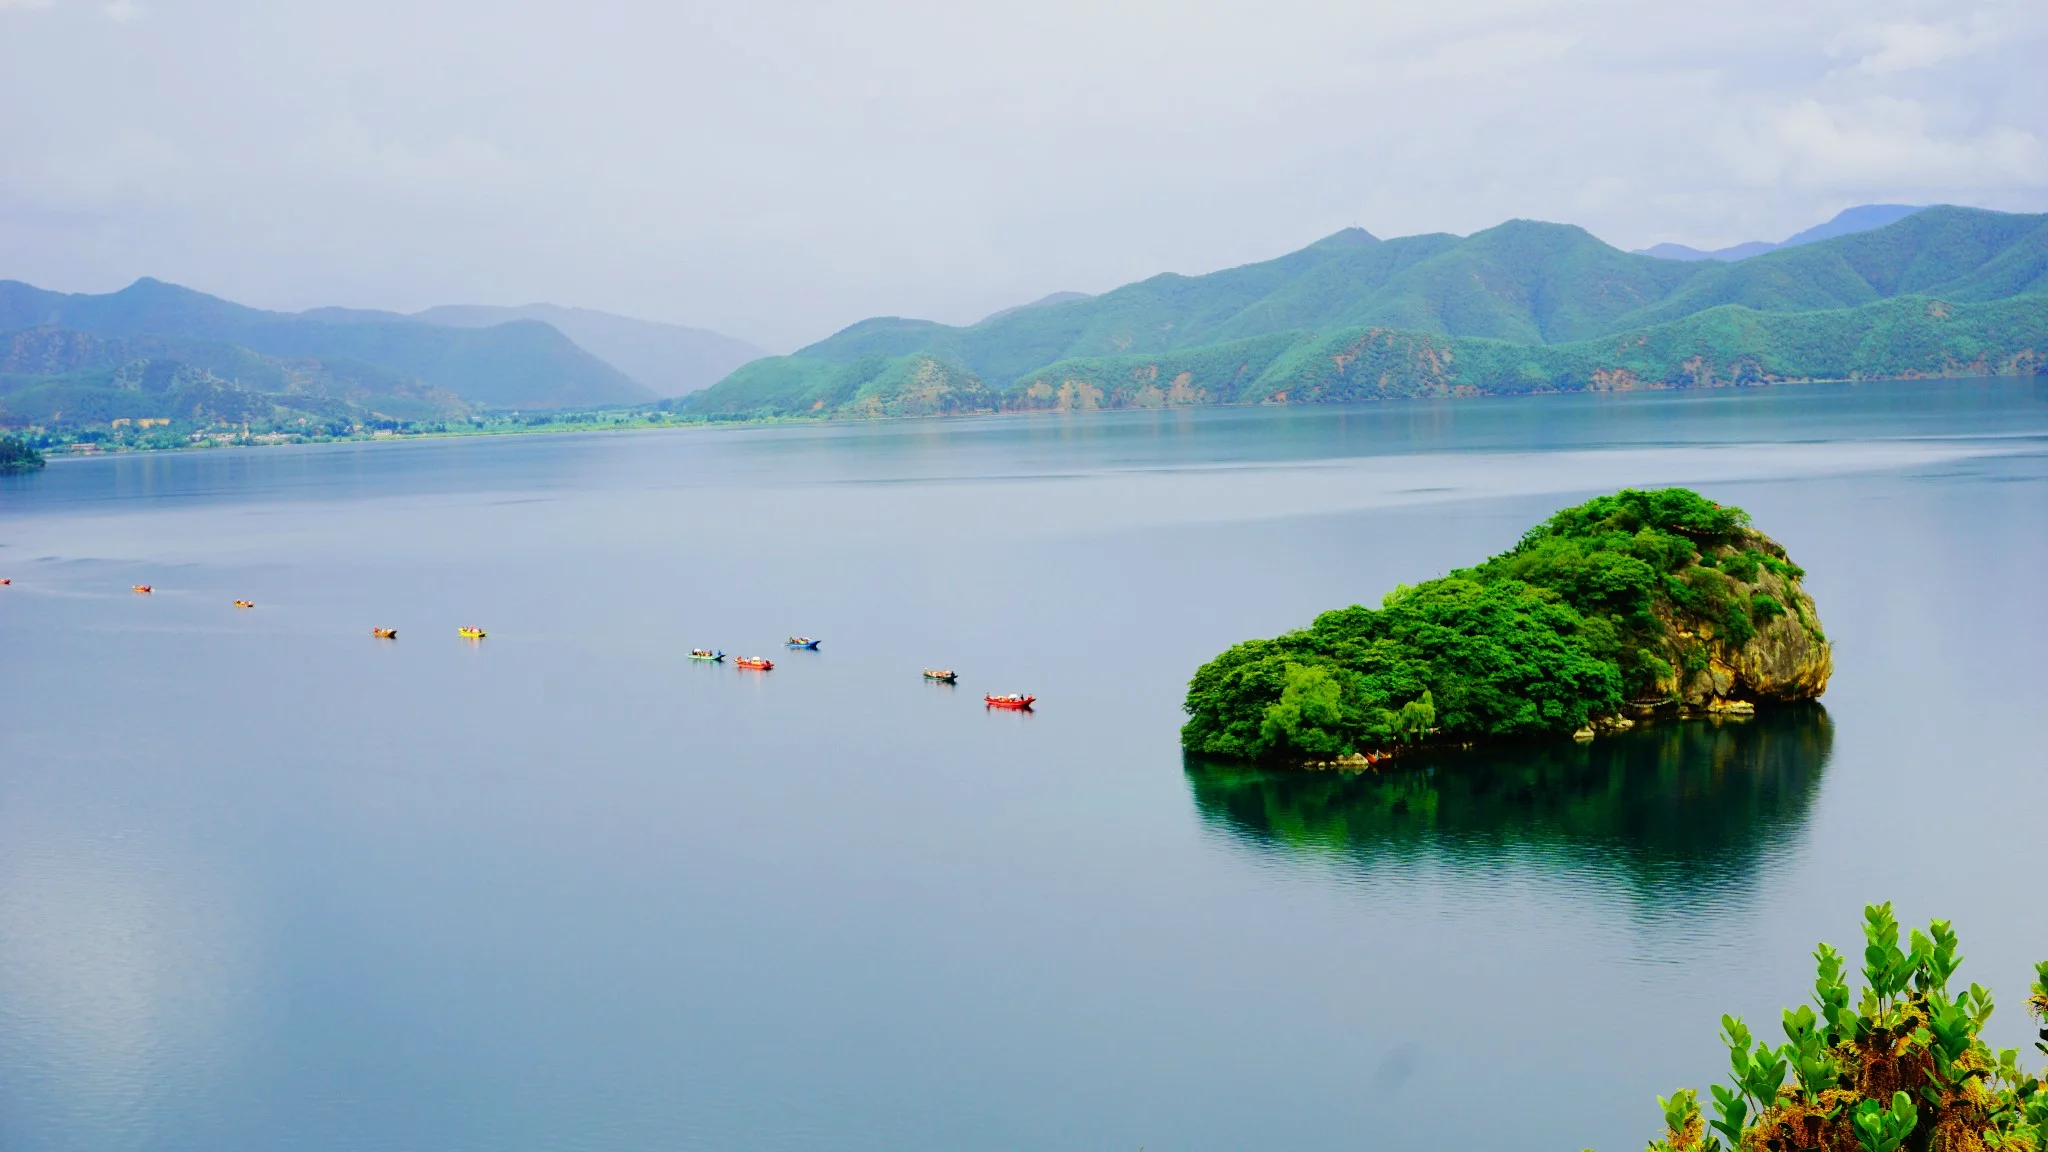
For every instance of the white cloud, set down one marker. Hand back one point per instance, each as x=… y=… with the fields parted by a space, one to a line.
x=119 y=11
x=784 y=167
x=1906 y=46
x=1883 y=142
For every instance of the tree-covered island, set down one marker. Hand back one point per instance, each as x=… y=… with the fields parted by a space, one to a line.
x=18 y=455
x=1622 y=608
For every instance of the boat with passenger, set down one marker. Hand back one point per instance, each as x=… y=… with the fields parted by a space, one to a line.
x=707 y=655
x=142 y=589
x=245 y=603
x=761 y=663
x=1012 y=701
x=471 y=633
x=384 y=633
x=942 y=675
x=809 y=642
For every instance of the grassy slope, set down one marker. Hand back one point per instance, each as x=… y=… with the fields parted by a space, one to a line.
x=1521 y=307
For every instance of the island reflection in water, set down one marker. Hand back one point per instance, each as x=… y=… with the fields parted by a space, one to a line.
x=1680 y=809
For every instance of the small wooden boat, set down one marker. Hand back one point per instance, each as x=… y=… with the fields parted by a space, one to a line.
x=706 y=654
x=245 y=603
x=942 y=675
x=144 y=589
x=384 y=633
x=471 y=633
x=1012 y=702
x=801 y=642
x=760 y=662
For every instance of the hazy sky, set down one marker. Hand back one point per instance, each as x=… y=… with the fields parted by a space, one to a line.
x=777 y=170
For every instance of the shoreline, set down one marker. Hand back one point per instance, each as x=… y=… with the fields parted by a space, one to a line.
x=639 y=421
x=1646 y=716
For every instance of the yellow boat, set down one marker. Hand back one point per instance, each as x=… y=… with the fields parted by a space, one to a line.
x=384 y=633
x=470 y=633
x=245 y=603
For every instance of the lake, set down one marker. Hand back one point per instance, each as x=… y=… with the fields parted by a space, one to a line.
x=267 y=882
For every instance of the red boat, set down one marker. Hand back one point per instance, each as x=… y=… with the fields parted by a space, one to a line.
x=1016 y=703
x=761 y=662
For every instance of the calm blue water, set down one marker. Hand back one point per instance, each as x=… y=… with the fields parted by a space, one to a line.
x=268 y=883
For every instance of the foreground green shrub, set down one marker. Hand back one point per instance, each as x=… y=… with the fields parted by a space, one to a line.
x=1903 y=1069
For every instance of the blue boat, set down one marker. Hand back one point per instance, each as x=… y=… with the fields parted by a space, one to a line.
x=801 y=642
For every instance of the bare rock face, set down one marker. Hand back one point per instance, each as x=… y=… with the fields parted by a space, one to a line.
x=1756 y=638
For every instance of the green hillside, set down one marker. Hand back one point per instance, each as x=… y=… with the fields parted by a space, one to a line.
x=1523 y=307
x=523 y=363
x=62 y=379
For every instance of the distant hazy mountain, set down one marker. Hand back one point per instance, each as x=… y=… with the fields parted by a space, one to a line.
x=669 y=359
x=1522 y=307
x=1859 y=219
x=519 y=364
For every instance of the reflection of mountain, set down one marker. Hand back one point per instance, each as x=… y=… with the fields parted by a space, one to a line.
x=1677 y=807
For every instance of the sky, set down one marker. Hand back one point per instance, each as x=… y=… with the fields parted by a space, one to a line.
x=777 y=170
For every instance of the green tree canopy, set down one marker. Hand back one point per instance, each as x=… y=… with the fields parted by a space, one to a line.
x=18 y=455
x=1616 y=599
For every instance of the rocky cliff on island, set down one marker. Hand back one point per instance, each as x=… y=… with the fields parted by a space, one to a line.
x=1628 y=607
x=1775 y=651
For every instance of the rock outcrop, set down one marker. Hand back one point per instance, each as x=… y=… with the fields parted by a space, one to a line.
x=1784 y=656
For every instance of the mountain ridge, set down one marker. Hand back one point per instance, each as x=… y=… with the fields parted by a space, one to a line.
x=667 y=359
x=1523 y=306
x=1860 y=218
x=521 y=363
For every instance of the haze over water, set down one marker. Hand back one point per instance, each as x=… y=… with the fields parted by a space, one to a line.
x=266 y=882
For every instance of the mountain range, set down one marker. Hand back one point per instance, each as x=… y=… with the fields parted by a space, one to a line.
x=1862 y=218
x=1522 y=307
x=160 y=351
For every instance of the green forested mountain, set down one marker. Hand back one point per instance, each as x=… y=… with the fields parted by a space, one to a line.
x=522 y=363
x=64 y=378
x=1522 y=307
